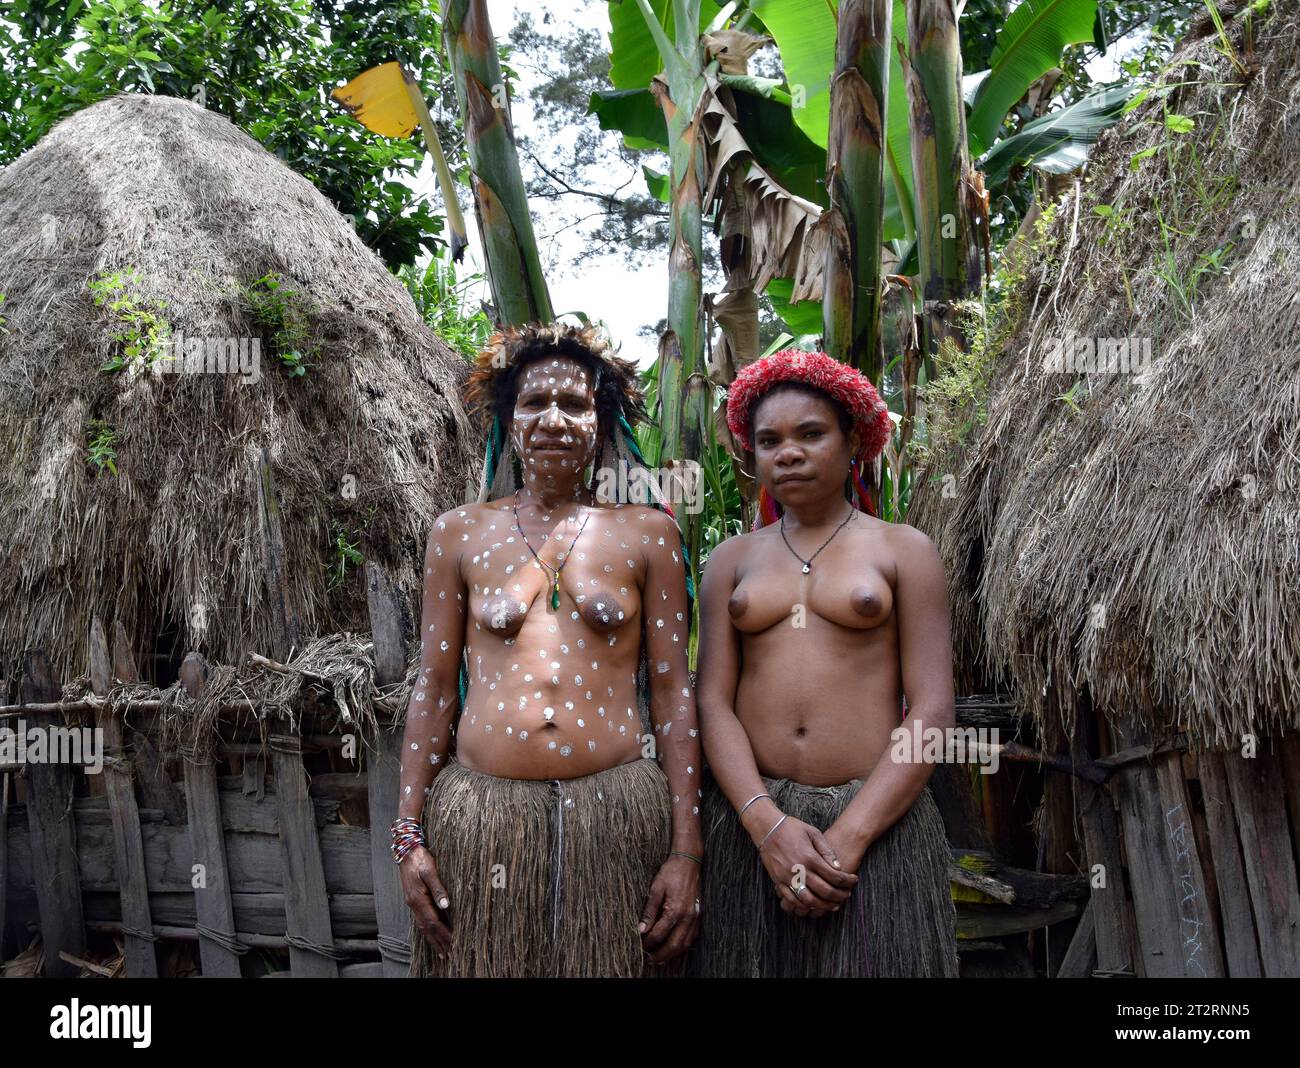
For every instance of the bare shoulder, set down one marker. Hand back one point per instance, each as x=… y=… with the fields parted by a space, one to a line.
x=453 y=525
x=650 y=521
x=725 y=557
x=914 y=554
x=907 y=539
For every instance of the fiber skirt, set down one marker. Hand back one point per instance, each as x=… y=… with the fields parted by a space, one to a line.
x=547 y=878
x=899 y=920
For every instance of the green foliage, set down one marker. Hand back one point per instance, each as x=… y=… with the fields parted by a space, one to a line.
x=100 y=439
x=1028 y=44
x=956 y=400
x=2 y=318
x=144 y=332
x=266 y=64
x=1186 y=285
x=442 y=301
x=1070 y=398
x=345 y=549
x=284 y=312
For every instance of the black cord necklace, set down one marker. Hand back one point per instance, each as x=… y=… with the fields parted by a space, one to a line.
x=807 y=564
x=554 y=572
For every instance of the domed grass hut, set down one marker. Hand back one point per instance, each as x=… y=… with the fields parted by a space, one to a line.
x=1122 y=532
x=225 y=433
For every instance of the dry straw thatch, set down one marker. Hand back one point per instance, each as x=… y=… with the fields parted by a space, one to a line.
x=174 y=544
x=1141 y=539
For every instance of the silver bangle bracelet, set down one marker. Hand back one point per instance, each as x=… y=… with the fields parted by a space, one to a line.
x=751 y=801
x=772 y=832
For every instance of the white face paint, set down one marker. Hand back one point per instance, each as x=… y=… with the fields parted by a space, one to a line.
x=553 y=427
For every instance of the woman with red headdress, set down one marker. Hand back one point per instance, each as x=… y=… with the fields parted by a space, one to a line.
x=826 y=854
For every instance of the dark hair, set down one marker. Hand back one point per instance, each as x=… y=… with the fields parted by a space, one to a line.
x=608 y=390
x=841 y=413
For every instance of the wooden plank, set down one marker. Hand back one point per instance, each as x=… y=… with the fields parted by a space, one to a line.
x=4 y=863
x=1157 y=836
x=352 y=946
x=996 y=921
x=1240 y=946
x=1174 y=924
x=285 y=622
x=128 y=850
x=53 y=835
x=1081 y=958
x=1111 y=912
x=218 y=948
x=1257 y=801
x=152 y=781
x=1198 y=919
x=253 y=776
x=307 y=913
x=253 y=856
x=383 y=775
x=1290 y=756
x=307 y=917
x=353 y=915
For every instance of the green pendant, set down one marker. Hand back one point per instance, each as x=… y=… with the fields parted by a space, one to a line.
x=555 y=596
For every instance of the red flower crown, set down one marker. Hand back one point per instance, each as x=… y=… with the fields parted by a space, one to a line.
x=845 y=384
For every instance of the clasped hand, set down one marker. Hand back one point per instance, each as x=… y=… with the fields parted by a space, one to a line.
x=811 y=876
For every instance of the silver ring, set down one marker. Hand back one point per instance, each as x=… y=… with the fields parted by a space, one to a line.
x=798 y=890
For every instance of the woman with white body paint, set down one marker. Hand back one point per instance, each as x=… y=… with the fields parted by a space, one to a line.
x=561 y=832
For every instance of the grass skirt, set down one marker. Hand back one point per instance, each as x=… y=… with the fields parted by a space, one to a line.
x=547 y=878
x=899 y=921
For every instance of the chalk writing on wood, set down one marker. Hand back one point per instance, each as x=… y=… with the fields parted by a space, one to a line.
x=1180 y=836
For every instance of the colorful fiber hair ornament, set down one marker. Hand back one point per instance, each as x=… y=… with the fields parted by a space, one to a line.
x=842 y=383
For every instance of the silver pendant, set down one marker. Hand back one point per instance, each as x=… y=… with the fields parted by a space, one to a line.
x=807 y=568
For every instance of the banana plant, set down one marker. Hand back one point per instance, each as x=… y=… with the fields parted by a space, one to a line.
x=862 y=143
x=851 y=289
x=950 y=204
x=514 y=267
x=785 y=122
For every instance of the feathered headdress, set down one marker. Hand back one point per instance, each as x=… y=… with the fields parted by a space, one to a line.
x=842 y=383
x=494 y=382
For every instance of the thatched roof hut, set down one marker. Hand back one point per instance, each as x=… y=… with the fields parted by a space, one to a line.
x=1137 y=535
x=216 y=474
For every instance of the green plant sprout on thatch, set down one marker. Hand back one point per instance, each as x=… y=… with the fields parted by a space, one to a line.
x=2 y=318
x=100 y=439
x=1189 y=201
x=345 y=549
x=955 y=402
x=1069 y=398
x=144 y=332
x=1116 y=222
x=1187 y=289
x=283 y=311
x=1225 y=48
